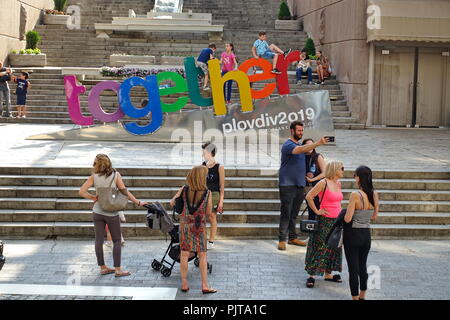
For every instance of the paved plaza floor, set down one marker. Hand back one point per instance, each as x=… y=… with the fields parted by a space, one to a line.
x=386 y=149
x=242 y=269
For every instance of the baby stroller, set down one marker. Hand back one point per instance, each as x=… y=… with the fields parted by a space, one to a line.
x=173 y=250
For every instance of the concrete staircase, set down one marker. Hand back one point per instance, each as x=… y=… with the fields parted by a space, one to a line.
x=44 y=203
x=81 y=48
x=47 y=102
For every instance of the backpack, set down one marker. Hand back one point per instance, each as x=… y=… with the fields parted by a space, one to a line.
x=158 y=218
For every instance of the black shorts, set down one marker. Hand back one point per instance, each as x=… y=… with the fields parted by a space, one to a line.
x=21 y=99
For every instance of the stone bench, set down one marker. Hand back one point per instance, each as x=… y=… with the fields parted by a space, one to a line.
x=162 y=22
x=130 y=60
x=80 y=72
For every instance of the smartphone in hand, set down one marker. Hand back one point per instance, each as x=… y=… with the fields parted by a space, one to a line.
x=330 y=139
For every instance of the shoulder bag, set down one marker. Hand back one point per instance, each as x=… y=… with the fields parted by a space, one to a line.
x=311 y=225
x=336 y=236
x=111 y=198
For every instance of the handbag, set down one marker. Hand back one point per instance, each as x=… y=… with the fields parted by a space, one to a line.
x=311 y=225
x=111 y=198
x=336 y=237
x=2 y=258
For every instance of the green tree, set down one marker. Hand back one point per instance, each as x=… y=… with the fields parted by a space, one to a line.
x=60 y=5
x=284 y=12
x=310 y=47
x=33 y=39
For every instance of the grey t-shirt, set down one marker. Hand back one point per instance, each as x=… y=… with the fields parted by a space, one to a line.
x=104 y=182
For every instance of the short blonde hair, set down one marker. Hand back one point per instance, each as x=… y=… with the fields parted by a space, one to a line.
x=196 y=178
x=332 y=169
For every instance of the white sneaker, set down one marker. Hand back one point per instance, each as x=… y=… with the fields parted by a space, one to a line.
x=108 y=243
x=210 y=245
x=206 y=88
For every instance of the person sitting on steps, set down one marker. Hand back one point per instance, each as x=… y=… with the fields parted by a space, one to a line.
x=261 y=49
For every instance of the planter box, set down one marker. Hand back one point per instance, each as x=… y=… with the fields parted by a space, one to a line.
x=28 y=60
x=287 y=24
x=56 y=19
x=130 y=60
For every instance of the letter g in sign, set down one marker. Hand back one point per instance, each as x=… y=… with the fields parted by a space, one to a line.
x=154 y=105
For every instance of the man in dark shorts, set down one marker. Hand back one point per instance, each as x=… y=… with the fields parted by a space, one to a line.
x=292 y=182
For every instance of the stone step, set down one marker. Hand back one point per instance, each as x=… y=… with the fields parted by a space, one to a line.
x=402 y=180
x=139 y=216
x=225 y=230
x=349 y=126
x=232 y=193
x=229 y=204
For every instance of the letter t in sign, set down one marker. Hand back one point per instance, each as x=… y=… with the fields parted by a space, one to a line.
x=73 y=92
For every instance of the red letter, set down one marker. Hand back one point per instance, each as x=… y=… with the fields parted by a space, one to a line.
x=266 y=67
x=282 y=66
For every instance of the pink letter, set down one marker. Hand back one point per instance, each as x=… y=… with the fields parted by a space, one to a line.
x=94 y=102
x=72 y=95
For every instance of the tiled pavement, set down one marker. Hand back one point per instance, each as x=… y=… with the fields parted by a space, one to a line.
x=242 y=269
x=387 y=149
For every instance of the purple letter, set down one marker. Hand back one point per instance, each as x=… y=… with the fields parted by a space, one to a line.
x=72 y=93
x=94 y=102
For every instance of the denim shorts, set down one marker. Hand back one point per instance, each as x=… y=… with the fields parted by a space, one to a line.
x=268 y=54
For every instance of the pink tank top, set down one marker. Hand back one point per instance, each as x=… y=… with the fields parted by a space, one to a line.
x=331 y=202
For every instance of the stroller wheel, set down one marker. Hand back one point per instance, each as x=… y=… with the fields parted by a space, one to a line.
x=196 y=262
x=166 y=272
x=156 y=265
x=210 y=267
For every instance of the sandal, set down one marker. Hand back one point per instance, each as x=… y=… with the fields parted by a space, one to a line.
x=107 y=271
x=122 y=274
x=185 y=290
x=210 y=290
x=336 y=278
x=310 y=282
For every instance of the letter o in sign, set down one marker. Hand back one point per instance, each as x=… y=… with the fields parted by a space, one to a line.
x=94 y=102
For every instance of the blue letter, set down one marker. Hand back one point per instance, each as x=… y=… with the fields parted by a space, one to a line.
x=154 y=105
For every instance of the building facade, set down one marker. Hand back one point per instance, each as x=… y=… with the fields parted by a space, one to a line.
x=390 y=56
x=18 y=17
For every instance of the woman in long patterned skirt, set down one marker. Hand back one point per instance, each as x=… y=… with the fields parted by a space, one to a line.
x=320 y=259
x=197 y=205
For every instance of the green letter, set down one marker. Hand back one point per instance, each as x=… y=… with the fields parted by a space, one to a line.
x=192 y=73
x=180 y=87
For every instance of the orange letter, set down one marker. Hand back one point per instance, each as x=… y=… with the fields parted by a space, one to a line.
x=266 y=67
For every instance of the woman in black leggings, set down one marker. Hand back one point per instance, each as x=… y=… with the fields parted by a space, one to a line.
x=362 y=208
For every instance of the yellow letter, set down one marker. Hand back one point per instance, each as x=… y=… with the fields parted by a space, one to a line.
x=217 y=83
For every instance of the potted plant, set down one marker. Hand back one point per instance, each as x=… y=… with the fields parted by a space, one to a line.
x=31 y=56
x=285 y=20
x=57 y=16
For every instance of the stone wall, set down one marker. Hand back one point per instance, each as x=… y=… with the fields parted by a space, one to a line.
x=338 y=28
x=18 y=17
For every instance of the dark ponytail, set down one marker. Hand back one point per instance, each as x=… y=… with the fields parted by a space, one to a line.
x=365 y=182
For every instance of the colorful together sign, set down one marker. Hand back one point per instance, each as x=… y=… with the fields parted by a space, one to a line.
x=156 y=107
